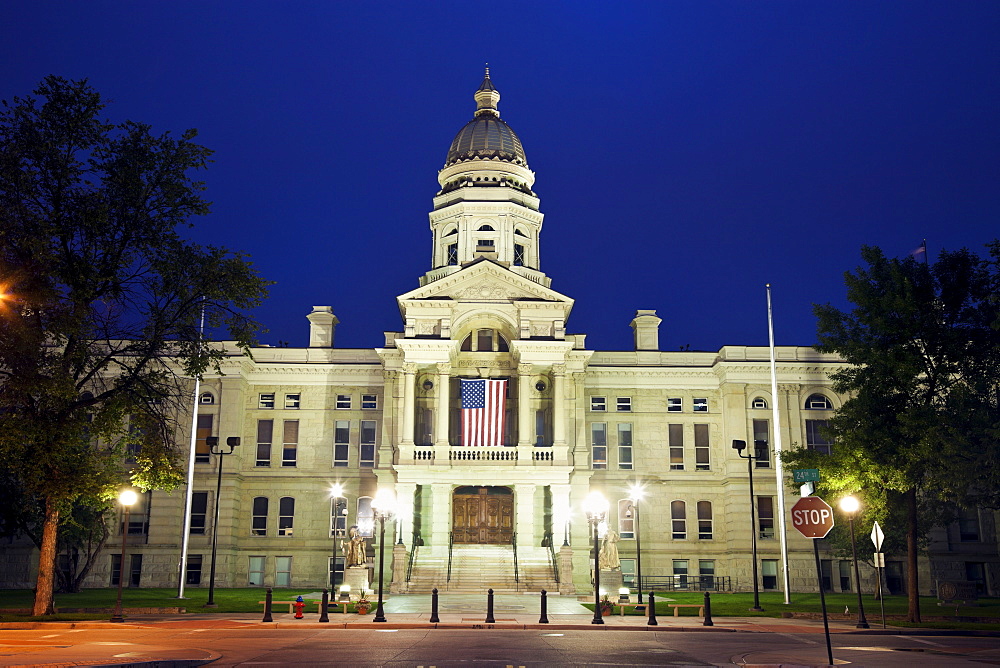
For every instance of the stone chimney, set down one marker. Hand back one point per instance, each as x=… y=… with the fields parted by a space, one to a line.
x=322 y=326
x=647 y=330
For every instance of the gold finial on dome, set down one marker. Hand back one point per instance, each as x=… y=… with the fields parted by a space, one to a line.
x=487 y=97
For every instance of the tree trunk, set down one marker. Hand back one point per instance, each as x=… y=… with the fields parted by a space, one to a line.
x=912 y=584
x=47 y=561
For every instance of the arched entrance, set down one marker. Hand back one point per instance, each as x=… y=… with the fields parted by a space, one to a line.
x=483 y=515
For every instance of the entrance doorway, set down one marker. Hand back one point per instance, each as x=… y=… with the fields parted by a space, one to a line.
x=483 y=515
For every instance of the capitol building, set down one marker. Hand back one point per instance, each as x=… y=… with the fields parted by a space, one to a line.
x=651 y=430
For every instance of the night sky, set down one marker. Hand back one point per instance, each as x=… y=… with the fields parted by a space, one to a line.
x=686 y=153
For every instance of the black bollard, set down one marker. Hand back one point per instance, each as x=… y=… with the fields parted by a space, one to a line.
x=544 y=619
x=323 y=616
x=434 y=606
x=489 y=608
x=652 y=611
x=708 y=611
x=267 y=607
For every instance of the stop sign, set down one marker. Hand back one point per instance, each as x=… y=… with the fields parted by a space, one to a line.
x=812 y=516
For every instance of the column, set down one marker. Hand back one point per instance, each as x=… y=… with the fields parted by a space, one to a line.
x=442 y=413
x=440 y=517
x=404 y=509
x=524 y=498
x=524 y=422
x=409 y=397
x=559 y=404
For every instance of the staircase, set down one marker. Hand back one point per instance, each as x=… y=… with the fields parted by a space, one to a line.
x=476 y=568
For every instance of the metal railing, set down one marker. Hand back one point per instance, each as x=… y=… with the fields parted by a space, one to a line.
x=517 y=579
x=451 y=544
x=549 y=540
x=414 y=543
x=686 y=583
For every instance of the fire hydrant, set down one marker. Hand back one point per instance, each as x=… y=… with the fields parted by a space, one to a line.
x=299 y=607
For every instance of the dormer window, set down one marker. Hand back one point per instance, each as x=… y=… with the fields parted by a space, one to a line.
x=518 y=255
x=452 y=254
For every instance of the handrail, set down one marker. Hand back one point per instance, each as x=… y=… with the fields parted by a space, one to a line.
x=415 y=541
x=517 y=579
x=553 y=563
x=451 y=543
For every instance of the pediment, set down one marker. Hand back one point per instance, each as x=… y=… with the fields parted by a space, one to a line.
x=484 y=282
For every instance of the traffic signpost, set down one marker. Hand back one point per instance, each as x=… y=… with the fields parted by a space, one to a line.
x=877 y=538
x=813 y=518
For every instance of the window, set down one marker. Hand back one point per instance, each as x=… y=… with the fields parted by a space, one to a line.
x=680 y=573
x=452 y=254
x=282 y=571
x=542 y=427
x=366 y=455
x=256 y=574
x=625 y=446
x=826 y=571
x=207 y=398
x=337 y=567
x=975 y=571
x=675 y=436
x=290 y=443
x=628 y=572
x=761 y=438
x=700 y=405
x=818 y=402
x=485 y=245
x=758 y=403
x=338 y=517
x=706 y=573
x=769 y=573
x=193 y=570
x=815 y=439
x=258 y=526
x=199 y=511
x=968 y=525
x=366 y=517
x=702 y=450
x=134 y=572
x=116 y=569
x=599 y=445
x=623 y=404
x=264 y=431
x=343 y=401
x=599 y=404
x=138 y=517
x=286 y=515
x=201 y=450
x=678 y=520
x=626 y=518
x=674 y=405
x=704 y=520
x=765 y=516
x=844 y=568
x=518 y=255
x=341 y=442
x=369 y=402
x=266 y=401
x=292 y=401
x=486 y=341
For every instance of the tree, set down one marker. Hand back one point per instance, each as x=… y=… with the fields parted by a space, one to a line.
x=918 y=435
x=99 y=326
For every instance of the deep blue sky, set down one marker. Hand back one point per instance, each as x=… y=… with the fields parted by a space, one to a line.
x=686 y=152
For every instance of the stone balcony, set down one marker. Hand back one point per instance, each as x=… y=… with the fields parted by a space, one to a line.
x=457 y=456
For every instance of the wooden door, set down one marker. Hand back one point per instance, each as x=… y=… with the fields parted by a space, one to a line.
x=486 y=517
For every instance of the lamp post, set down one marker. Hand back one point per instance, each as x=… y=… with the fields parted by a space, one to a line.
x=850 y=505
x=336 y=494
x=221 y=450
x=739 y=446
x=635 y=494
x=595 y=507
x=384 y=506
x=127 y=498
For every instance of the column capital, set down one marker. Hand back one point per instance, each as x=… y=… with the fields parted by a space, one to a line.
x=443 y=368
x=559 y=369
x=525 y=368
x=409 y=367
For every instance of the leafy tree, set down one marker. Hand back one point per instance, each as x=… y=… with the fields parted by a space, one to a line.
x=919 y=435
x=99 y=327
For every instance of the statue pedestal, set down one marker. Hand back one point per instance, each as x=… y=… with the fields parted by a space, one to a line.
x=611 y=582
x=357 y=578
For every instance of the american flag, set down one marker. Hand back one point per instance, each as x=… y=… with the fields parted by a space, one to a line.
x=483 y=412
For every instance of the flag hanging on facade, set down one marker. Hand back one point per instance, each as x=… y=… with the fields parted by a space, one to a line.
x=483 y=403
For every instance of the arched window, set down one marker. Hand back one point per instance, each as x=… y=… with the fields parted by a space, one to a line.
x=366 y=516
x=758 y=402
x=338 y=516
x=626 y=518
x=520 y=233
x=818 y=402
x=678 y=520
x=258 y=527
x=207 y=398
x=486 y=228
x=286 y=515
x=453 y=232
x=485 y=340
x=704 y=520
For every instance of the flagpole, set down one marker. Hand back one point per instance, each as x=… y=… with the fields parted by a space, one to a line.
x=778 y=466
x=186 y=536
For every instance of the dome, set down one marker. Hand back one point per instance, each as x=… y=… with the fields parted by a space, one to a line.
x=486 y=137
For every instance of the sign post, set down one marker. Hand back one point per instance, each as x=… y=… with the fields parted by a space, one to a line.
x=877 y=538
x=813 y=518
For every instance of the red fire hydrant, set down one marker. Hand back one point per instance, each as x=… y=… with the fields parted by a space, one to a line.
x=299 y=607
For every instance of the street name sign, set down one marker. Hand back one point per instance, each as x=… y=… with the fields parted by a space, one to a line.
x=812 y=517
x=805 y=475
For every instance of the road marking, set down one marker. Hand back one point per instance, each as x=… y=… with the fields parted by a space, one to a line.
x=51 y=635
x=926 y=642
x=795 y=637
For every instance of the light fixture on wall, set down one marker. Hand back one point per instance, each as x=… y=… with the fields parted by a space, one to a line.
x=428 y=384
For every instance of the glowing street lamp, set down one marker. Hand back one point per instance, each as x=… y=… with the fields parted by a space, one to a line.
x=635 y=494
x=384 y=507
x=850 y=505
x=232 y=443
x=127 y=498
x=595 y=507
x=739 y=446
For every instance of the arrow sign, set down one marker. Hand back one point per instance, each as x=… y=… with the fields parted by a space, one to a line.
x=812 y=517
x=877 y=537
